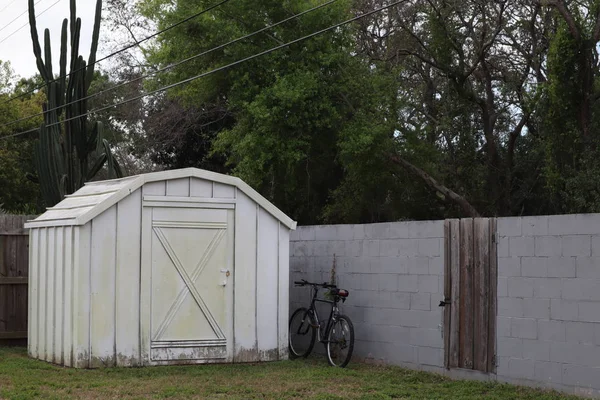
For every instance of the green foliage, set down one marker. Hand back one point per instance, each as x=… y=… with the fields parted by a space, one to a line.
x=65 y=160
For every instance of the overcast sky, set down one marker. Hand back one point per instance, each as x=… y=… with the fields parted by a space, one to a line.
x=18 y=48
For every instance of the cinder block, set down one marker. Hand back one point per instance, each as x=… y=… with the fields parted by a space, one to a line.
x=536 y=350
x=524 y=328
x=547 y=288
x=510 y=266
x=581 y=289
x=521 y=368
x=398 y=300
x=428 y=283
x=371 y=248
x=548 y=246
x=408 y=283
x=325 y=232
x=407 y=247
x=436 y=266
x=345 y=232
x=377 y=231
x=301 y=249
x=389 y=265
x=509 y=226
x=503 y=326
x=589 y=311
x=577 y=245
x=388 y=282
x=596 y=246
x=534 y=226
x=571 y=353
x=561 y=267
x=502 y=248
x=553 y=331
x=420 y=301
x=388 y=248
x=353 y=248
x=418 y=265
x=359 y=265
x=536 y=308
x=502 y=286
x=510 y=307
x=429 y=247
x=401 y=353
x=534 y=267
x=407 y=318
x=548 y=372
x=522 y=246
x=426 y=337
x=577 y=375
x=303 y=233
x=563 y=310
x=399 y=230
x=520 y=287
x=577 y=224
x=426 y=229
x=430 y=356
x=588 y=267
x=581 y=332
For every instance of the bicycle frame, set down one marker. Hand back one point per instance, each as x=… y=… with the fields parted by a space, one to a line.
x=332 y=315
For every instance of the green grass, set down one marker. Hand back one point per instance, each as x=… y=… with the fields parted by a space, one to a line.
x=24 y=378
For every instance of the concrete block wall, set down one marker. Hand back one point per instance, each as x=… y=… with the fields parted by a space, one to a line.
x=394 y=272
x=549 y=302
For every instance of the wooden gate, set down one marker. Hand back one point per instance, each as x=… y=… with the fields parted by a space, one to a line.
x=14 y=269
x=470 y=282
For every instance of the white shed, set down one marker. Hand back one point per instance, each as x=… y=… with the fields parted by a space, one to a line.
x=184 y=266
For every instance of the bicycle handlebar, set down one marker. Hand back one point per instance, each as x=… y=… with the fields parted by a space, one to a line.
x=304 y=282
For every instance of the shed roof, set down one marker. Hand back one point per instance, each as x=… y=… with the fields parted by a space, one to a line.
x=96 y=197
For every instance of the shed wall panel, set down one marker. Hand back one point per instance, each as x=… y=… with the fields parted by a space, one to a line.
x=81 y=292
x=267 y=286
x=284 y=287
x=34 y=262
x=178 y=187
x=201 y=188
x=103 y=244
x=245 y=280
x=58 y=295
x=41 y=299
x=223 y=191
x=129 y=232
x=68 y=298
x=158 y=188
x=49 y=298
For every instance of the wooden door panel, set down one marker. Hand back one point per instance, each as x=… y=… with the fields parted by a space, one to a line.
x=470 y=294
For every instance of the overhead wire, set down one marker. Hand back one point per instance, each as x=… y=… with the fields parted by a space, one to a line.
x=128 y=47
x=27 y=23
x=224 y=67
x=8 y=5
x=17 y=17
x=117 y=86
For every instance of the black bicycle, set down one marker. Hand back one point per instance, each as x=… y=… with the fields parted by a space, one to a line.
x=337 y=335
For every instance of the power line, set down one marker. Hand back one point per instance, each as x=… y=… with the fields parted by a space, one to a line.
x=121 y=50
x=27 y=23
x=17 y=17
x=262 y=53
x=173 y=65
x=8 y=5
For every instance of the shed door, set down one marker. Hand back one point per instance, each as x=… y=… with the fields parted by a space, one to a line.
x=191 y=284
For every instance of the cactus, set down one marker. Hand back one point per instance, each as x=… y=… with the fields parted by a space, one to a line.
x=70 y=150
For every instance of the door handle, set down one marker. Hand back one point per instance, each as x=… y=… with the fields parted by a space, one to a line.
x=444 y=302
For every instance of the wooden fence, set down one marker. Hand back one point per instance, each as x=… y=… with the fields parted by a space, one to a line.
x=14 y=269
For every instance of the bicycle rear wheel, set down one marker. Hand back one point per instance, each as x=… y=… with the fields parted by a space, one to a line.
x=340 y=342
x=302 y=333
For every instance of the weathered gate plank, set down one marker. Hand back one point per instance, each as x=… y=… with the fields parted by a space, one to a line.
x=492 y=294
x=466 y=294
x=454 y=321
x=481 y=292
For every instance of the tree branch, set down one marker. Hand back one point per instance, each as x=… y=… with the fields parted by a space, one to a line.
x=469 y=210
x=568 y=17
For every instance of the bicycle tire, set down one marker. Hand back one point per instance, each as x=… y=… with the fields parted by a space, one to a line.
x=297 y=350
x=345 y=343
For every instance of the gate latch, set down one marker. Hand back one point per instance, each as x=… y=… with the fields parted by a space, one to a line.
x=444 y=302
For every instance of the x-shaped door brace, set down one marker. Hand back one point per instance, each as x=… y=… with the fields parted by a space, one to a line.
x=189 y=283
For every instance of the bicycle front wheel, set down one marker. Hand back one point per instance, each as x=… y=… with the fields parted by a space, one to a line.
x=302 y=333
x=340 y=342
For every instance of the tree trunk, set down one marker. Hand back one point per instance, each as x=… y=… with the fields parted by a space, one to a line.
x=468 y=209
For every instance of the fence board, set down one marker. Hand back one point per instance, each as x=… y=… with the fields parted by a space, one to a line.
x=493 y=294
x=466 y=294
x=14 y=271
x=454 y=321
x=480 y=294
